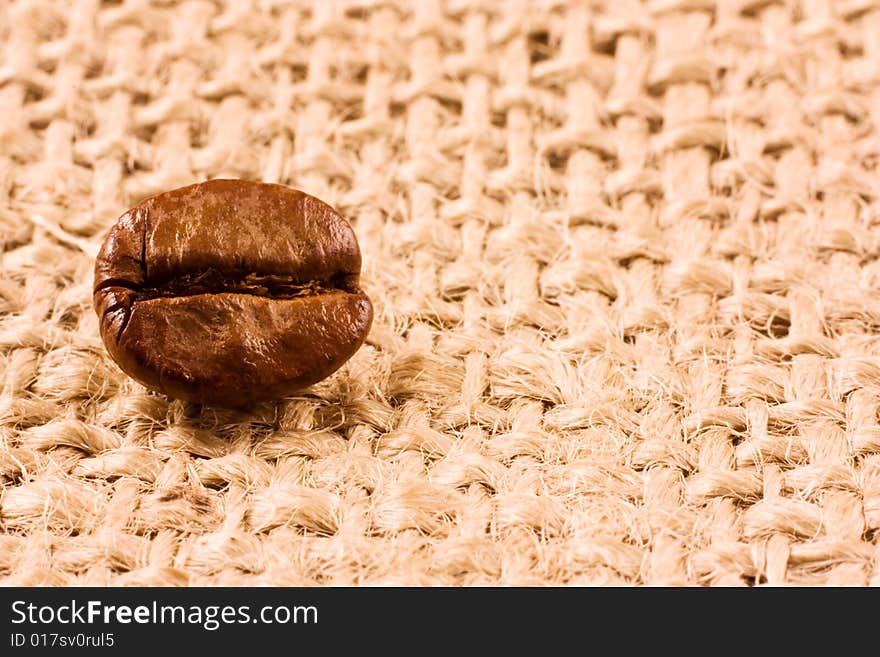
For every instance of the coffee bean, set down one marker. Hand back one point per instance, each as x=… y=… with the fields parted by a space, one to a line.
x=231 y=292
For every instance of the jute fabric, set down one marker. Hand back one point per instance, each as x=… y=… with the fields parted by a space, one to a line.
x=624 y=264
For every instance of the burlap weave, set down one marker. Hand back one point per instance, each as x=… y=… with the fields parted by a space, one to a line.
x=623 y=258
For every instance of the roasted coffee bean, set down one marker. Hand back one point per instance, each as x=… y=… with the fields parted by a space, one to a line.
x=231 y=292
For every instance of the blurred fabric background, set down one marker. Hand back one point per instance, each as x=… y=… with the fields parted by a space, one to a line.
x=623 y=258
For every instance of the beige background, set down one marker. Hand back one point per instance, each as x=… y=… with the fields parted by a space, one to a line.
x=623 y=259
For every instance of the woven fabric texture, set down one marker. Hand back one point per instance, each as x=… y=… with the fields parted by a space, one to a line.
x=623 y=259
